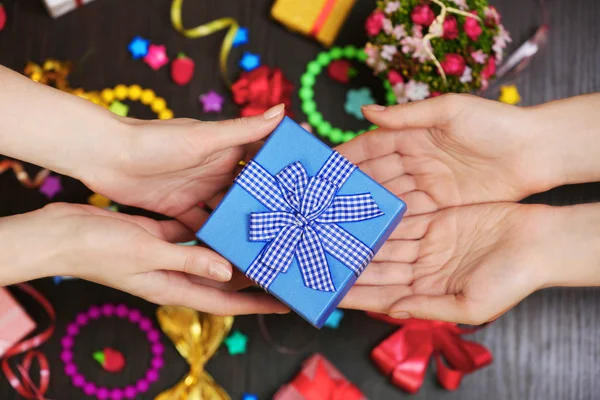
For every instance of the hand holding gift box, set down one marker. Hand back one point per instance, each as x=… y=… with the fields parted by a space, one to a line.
x=319 y=380
x=302 y=222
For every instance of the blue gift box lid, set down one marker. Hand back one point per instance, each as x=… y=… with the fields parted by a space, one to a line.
x=227 y=229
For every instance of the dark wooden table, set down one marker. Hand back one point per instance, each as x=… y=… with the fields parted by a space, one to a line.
x=548 y=347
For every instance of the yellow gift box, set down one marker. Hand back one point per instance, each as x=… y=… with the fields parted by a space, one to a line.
x=320 y=19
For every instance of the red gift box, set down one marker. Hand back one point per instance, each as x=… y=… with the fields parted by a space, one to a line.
x=319 y=380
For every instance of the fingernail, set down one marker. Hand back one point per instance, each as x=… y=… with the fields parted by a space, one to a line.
x=273 y=112
x=373 y=107
x=400 y=315
x=283 y=312
x=220 y=271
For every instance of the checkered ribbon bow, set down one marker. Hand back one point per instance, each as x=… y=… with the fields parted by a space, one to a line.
x=302 y=221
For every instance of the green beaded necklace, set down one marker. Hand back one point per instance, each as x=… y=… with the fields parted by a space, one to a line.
x=307 y=94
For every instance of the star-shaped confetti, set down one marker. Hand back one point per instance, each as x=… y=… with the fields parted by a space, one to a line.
x=249 y=61
x=355 y=99
x=192 y=243
x=249 y=396
x=58 y=279
x=138 y=47
x=241 y=37
x=334 y=319
x=119 y=108
x=156 y=57
x=212 y=101
x=509 y=95
x=51 y=186
x=236 y=343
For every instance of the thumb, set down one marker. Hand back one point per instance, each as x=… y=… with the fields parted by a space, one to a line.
x=192 y=260
x=436 y=111
x=449 y=308
x=241 y=131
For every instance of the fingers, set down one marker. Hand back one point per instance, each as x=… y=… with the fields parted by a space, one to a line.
x=401 y=185
x=374 y=298
x=418 y=202
x=450 y=308
x=400 y=251
x=386 y=273
x=193 y=218
x=192 y=260
x=437 y=111
x=412 y=228
x=177 y=290
x=384 y=168
x=369 y=145
x=241 y=131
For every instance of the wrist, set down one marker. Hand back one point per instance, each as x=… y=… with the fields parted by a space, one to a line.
x=568 y=137
x=570 y=246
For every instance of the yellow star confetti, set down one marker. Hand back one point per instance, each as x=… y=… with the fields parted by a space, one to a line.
x=509 y=95
x=97 y=200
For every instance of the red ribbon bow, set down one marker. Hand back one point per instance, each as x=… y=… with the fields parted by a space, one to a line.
x=323 y=387
x=260 y=89
x=405 y=354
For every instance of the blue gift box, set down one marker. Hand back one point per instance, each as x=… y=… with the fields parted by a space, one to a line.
x=302 y=221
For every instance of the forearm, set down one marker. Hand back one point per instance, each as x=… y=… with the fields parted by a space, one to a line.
x=570 y=130
x=52 y=129
x=572 y=249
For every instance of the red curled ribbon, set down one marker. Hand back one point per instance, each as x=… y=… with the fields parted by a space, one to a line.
x=322 y=18
x=405 y=354
x=323 y=387
x=26 y=387
x=258 y=90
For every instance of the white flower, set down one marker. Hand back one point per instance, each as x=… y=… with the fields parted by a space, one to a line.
x=388 y=26
x=492 y=14
x=388 y=51
x=416 y=91
x=479 y=56
x=399 y=32
x=392 y=7
x=467 y=76
x=417 y=31
x=500 y=41
x=400 y=92
x=379 y=66
x=462 y=4
x=416 y=46
x=372 y=55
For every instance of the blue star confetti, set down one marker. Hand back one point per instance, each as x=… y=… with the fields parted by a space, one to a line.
x=334 y=319
x=138 y=47
x=355 y=99
x=249 y=396
x=241 y=37
x=249 y=61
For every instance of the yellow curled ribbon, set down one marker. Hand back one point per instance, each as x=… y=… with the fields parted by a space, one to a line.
x=206 y=30
x=197 y=336
x=436 y=29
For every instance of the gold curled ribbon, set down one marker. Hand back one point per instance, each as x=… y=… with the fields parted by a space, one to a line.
x=436 y=29
x=206 y=30
x=197 y=336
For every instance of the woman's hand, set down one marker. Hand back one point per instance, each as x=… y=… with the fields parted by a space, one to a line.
x=170 y=166
x=130 y=253
x=455 y=150
x=473 y=263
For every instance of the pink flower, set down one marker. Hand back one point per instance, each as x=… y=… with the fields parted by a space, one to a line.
x=450 y=28
x=479 y=56
x=392 y=7
x=489 y=70
x=472 y=27
x=374 y=23
x=492 y=16
x=399 y=32
x=436 y=94
x=394 y=77
x=454 y=64
x=422 y=15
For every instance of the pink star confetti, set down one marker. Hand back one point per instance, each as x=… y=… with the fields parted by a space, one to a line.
x=51 y=186
x=156 y=57
x=212 y=101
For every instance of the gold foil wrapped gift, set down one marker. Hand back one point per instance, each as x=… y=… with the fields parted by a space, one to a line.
x=197 y=336
x=319 y=19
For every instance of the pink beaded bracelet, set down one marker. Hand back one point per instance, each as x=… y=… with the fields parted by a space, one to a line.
x=121 y=311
